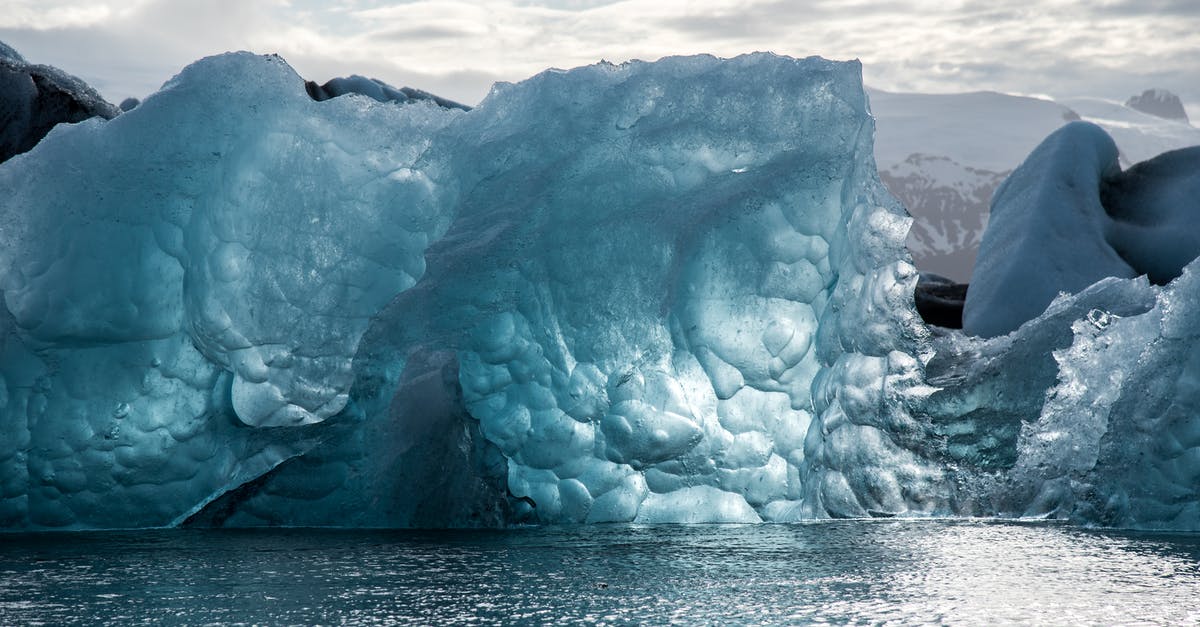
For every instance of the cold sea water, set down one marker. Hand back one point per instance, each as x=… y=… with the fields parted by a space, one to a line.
x=861 y=572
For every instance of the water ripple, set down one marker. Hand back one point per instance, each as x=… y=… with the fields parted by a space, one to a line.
x=860 y=572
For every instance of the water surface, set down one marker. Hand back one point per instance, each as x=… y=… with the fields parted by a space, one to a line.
x=899 y=572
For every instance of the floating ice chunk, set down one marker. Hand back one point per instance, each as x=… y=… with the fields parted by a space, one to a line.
x=1069 y=217
x=229 y=223
x=1155 y=206
x=569 y=300
x=269 y=227
x=642 y=312
x=375 y=89
x=1047 y=232
x=34 y=98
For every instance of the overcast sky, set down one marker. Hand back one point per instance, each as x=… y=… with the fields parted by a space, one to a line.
x=1059 y=48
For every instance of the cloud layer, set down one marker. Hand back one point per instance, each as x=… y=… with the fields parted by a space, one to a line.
x=1062 y=48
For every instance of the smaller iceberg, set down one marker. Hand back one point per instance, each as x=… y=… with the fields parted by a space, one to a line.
x=35 y=98
x=1080 y=399
x=1069 y=217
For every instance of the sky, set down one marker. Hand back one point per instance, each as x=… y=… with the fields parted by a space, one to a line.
x=1057 y=48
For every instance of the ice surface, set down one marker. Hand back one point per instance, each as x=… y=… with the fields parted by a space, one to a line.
x=605 y=295
x=7 y=52
x=34 y=98
x=1069 y=217
x=186 y=275
x=269 y=230
x=1086 y=413
x=1046 y=233
x=650 y=266
x=654 y=292
x=1155 y=206
x=375 y=89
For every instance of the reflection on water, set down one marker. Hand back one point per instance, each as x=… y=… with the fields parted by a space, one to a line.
x=837 y=572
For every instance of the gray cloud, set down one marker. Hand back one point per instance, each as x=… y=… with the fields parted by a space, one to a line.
x=1062 y=48
x=421 y=33
x=1179 y=8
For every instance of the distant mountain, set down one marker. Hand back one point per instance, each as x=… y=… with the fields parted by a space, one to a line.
x=943 y=155
x=1159 y=102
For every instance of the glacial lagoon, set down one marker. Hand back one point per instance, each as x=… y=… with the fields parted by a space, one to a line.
x=839 y=572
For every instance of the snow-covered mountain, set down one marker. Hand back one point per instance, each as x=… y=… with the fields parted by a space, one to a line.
x=1160 y=103
x=943 y=155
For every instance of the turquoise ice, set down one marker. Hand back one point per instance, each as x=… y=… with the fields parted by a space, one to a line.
x=651 y=292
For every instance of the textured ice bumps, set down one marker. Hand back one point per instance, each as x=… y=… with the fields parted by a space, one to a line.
x=233 y=208
x=653 y=267
x=674 y=291
x=211 y=256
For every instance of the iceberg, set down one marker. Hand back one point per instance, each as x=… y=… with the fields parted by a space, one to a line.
x=185 y=277
x=651 y=292
x=1069 y=217
x=654 y=291
x=375 y=89
x=1046 y=233
x=1084 y=411
x=34 y=98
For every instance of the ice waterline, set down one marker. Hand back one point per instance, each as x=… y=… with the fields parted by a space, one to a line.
x=654 y=292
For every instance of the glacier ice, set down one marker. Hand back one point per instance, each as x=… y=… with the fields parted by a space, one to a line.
x=375 y=89
x=1088 y=413
x=1046 y=233
x=608 y=293
x=34 y=98
x=7 y=52
x=653 y=292
x=184 y=276
x=1154 y=206
x=1069 y=217
x=642 y=282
